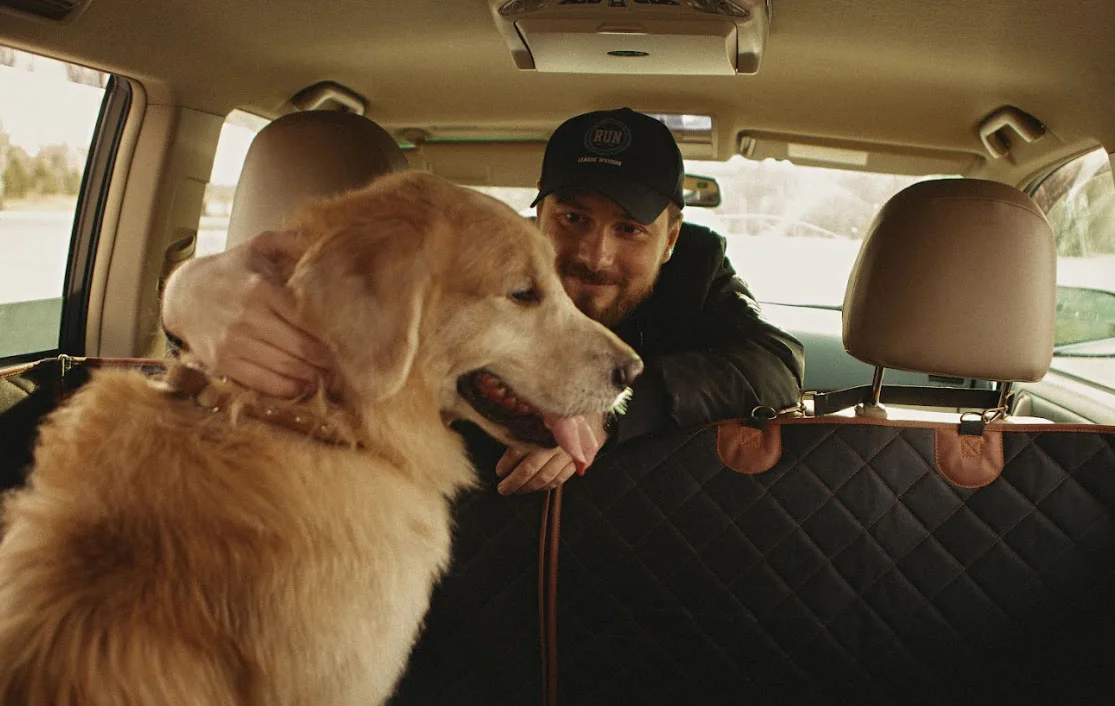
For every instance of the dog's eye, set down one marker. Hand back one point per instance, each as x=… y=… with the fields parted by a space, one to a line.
x=526 y=295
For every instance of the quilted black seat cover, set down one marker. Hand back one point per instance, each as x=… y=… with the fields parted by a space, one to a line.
x=481 y=640
x=849 y=573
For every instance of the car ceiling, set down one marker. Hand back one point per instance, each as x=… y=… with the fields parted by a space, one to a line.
x=892 y=72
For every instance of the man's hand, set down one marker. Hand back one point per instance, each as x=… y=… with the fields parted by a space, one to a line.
x=525 y=470
x=235 y=314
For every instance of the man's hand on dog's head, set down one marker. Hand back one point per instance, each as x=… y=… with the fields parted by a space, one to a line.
x=235 y=314
x=526 y=469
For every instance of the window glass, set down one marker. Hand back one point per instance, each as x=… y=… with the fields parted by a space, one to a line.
x=793 y=232
x=1079 y=201
x=48 y=114
x=236 y=136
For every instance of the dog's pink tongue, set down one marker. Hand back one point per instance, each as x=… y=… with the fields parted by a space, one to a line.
x=576 y=438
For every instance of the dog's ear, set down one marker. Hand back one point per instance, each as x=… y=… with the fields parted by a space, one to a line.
x=364 y=288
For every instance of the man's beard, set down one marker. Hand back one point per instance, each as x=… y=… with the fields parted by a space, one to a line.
x=611 y=314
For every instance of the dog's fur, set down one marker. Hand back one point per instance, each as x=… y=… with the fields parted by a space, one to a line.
x=166 y=554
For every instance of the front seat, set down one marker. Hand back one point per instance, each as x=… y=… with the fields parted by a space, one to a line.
x=958 y=278
x=304 y=156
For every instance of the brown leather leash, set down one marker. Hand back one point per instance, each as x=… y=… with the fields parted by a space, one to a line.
x=548 y=545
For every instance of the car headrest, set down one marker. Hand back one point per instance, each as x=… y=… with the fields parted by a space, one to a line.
x=303 y=156
x=956 y=277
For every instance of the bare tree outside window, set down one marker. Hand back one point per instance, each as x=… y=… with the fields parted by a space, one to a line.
x=86 y=76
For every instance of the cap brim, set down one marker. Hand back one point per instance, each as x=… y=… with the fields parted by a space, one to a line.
x=643 y=203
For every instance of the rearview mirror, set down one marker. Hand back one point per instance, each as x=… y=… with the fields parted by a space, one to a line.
x=1083 y=314
x=701 y=191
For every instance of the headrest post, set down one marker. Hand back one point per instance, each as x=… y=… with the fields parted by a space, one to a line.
x=1004 y=394
x=877 y=386
x=873 y=408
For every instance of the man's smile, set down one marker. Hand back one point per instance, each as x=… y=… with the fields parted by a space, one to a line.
x=592 y=285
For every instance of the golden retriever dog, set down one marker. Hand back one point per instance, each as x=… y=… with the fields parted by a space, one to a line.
x=177 y=546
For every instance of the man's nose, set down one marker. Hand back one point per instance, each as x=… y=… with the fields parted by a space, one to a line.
x=596 y=249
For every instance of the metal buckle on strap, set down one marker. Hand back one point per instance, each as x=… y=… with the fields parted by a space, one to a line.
x=65 y=364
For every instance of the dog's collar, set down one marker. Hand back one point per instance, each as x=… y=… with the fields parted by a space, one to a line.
x=216 y=395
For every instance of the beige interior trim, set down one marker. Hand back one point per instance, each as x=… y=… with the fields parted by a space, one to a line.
x=171 y=165
x=874 y=70
x=856 y=155
x=482 y=164
x=110 y=222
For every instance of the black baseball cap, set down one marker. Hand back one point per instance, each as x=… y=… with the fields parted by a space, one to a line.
x=627 y=156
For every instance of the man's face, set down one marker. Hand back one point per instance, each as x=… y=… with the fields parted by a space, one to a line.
x=608 y=261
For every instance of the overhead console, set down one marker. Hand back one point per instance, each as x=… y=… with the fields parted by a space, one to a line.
x=679 y=37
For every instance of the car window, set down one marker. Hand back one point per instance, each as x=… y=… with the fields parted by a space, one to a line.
x=48 y=114
x=1079 y=201
x=792 y=231
x=239 y=129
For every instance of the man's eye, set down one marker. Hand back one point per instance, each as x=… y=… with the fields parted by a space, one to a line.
x=526 y=295
x=630 y=229
x=571 y=217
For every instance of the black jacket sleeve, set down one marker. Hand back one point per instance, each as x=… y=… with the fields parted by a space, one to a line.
x=724 y=358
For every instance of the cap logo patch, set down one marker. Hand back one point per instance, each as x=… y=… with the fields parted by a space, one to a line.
x=608 y=136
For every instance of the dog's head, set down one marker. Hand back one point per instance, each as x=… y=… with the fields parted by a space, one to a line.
x=426 y=288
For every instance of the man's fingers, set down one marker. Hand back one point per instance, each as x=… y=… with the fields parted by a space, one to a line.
x=522 y=472
x=553 y=470
x=267 y=381
x=536 y=470
x=510 y=459
x=278 y=361
x=566 y=473
x=292 y=342
x=244 y=343
x=285 y=330
x=530 y=464
x=300 y=342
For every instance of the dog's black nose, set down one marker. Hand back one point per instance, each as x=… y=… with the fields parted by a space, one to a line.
x=626 y=372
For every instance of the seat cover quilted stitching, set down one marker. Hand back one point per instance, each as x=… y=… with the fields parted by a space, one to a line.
x=850 y=571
